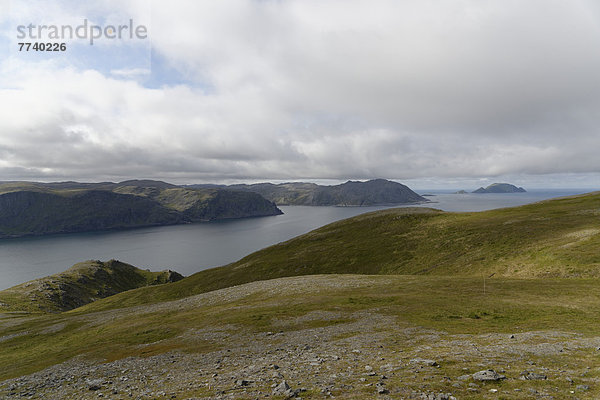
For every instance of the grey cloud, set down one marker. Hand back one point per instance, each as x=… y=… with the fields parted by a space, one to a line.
x=327 y=89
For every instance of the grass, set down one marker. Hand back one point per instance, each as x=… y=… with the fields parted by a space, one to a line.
x=425 y=268
x=83 y=283
x=556 y=238
x=454 y=305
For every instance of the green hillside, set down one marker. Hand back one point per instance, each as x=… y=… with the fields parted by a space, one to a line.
x=554 y=238
x=408 y=303
x=363 y=319
x=81 y=284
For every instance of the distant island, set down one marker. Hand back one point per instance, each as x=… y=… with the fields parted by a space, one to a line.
x=500 y=188
x=30 y=208
x=351 y=193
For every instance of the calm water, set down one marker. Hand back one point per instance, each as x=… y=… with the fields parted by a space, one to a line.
x=191 y=248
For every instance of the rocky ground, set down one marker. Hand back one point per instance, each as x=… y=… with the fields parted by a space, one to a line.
x=358 y=355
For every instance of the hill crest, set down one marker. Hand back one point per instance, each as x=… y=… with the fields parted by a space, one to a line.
x=351 y=193
x=81 y=284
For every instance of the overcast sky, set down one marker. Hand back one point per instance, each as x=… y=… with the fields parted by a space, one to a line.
x=433 y=93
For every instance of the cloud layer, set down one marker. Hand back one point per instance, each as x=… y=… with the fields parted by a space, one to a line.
x=328 y=89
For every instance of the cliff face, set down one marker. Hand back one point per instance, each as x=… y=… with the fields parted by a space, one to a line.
x=35 y=213
x=369 y=193
x=42 y=210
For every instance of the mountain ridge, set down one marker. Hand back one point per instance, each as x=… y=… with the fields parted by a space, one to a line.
x=350 y=194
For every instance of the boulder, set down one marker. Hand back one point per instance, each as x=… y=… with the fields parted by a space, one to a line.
x=488 y=375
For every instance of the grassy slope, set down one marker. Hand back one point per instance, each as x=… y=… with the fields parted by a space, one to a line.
x=453 y=304
x=81 y=284
x=556 y=238
x=553 y=238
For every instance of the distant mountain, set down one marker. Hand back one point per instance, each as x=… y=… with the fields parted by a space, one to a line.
x=351 y=193
x=31 y=208
x=81 y=284
x=500 y=188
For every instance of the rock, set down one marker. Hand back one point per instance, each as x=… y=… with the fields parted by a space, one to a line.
x=532 y=376
x=582 y=388
x=488 y=375
x=381 y=389
x=242 y=382
x=430 y=363
x=437 y=396
x=95 y=384
x=283 y=389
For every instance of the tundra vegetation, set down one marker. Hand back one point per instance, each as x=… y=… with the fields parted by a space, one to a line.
x=400 y=303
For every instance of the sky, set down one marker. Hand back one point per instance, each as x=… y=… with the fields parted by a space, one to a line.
x=436 y=94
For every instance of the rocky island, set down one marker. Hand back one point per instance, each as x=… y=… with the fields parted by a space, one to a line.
x=500 y=188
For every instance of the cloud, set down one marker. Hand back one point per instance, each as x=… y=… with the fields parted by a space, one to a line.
x=307 y=89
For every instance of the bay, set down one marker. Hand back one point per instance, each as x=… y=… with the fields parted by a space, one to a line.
x=190 y=248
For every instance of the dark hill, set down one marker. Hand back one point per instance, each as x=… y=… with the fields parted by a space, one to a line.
x=351 y=193
x=38 y=208
x=36 y=213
